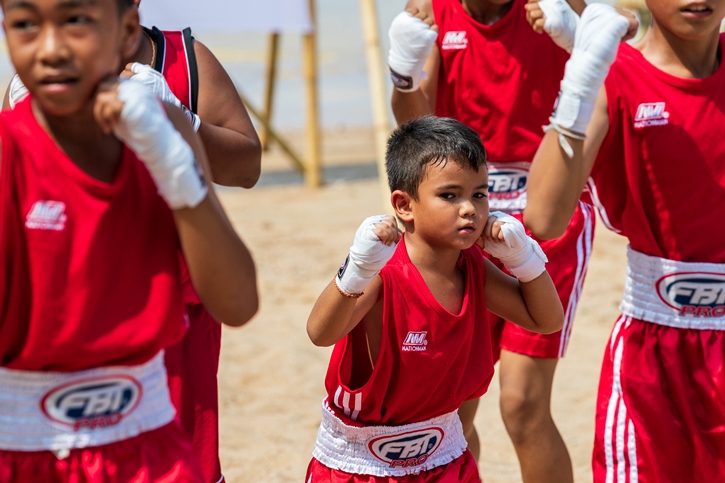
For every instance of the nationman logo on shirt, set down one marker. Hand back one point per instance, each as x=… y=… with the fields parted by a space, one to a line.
x=651 y=114
x=415 y=342
x=455 y=40
x=46 y=215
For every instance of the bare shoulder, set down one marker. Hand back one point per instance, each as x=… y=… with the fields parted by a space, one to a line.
x=425 y=6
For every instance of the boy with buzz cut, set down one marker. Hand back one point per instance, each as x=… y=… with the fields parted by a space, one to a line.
x=407 y=314
x=100 y=186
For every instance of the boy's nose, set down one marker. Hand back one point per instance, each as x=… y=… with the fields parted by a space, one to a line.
x=52 y=50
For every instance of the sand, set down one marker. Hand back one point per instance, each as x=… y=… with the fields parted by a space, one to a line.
x=271 y=376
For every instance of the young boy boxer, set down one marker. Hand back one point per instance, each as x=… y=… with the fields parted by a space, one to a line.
x=90 y=249
x=412 y=342
x=654 y=145
x=182 y=71
x=478 y=61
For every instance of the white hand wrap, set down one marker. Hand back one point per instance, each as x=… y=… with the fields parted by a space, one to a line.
x=156 y=82
x=146 y=130
x=521 y=254
x=561 y=22
x=411 y=42
x=18 y=91
x=597 y=39
x=368 y=255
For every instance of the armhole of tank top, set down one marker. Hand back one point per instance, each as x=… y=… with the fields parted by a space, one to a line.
x=193 y=69
x=158 y=37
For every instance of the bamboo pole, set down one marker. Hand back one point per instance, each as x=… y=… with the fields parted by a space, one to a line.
x=313 y=168
x=296 y=159
x=270 y=78
x=376 y=76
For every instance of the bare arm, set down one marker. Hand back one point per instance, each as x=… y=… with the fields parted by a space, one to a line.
x=533 y=305
x=229 y=137
x=412 y=105
x=220 y=265
x=556 y=181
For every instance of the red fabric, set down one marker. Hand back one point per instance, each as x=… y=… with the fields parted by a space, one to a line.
x=193 y=363
x=90 y=274
x=192 y=366
x=450 y=361
x=163 y=455
x=176 y=66
x=568 y=261
x=461 y=470
x=661 y=405
x=501 y=80
x=660 y=183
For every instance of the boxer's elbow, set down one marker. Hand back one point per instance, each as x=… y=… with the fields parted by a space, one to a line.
x=545 y=224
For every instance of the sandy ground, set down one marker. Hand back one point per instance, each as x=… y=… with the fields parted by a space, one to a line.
x=271 y=376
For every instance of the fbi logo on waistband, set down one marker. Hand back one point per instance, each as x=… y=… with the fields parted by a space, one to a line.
x=694 y=294
x=409 y=449
x=92 y=403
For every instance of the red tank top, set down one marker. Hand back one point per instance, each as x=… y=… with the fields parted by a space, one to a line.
x=501 y=80
x=660 y=173
x=176 y=60
x=90 y=275
x=430 y=360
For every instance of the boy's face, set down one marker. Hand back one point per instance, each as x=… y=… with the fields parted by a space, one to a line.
x=62 y=49
x=688 y=19
x=452 y=205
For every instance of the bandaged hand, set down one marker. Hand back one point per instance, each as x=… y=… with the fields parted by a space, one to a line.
x=374 y=244
x=17 y=91
x=144 y=127
x=411 y=42
x=560 y=22
x=521 y=254
x=156 y=83
x=597 y=39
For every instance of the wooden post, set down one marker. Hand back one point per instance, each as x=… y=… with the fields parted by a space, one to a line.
x=271 y=77
x=376 y=75
x=313 y=168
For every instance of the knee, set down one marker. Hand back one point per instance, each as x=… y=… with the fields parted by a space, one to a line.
x=523 y=413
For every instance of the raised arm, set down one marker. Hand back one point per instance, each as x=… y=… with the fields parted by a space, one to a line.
x=231 y=143
x=414 y=61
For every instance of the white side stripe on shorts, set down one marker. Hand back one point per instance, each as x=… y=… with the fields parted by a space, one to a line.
x=624 y=432
x=583 y=252
x=350 y=412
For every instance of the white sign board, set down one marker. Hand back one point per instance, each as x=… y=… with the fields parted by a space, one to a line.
x=228 y=16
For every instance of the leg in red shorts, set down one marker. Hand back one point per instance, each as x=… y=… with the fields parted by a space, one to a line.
x=164 y=455
x=192 y=366
x=661 y=406
x=461 y=470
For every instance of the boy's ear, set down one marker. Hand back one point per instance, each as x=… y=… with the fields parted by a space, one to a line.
x=130 y=32
x=402 y=204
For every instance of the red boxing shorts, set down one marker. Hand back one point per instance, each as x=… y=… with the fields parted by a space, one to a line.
x=661 y=405
x=568 y=260
x=163 y=455
x=192 y=366
x=461 y=470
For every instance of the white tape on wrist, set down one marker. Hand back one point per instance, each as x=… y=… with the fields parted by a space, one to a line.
x=411 y=42
x=156 y=82
x=521 y=254
x=17 y=91
x=368 y=255
x=146 y=130
x=561 y=22
x=598 y=35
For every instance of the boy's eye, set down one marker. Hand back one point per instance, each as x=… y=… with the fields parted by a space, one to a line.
x=22 y=25
x=447 y=196
x=480 y=194
x=79 y=20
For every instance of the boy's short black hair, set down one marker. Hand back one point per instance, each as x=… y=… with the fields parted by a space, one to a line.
x=430 y=141
x=124 y=5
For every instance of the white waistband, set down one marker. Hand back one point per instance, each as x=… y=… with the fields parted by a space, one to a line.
x=59 y=411
x=685 y=295
x=507 y=185
x=389 y=450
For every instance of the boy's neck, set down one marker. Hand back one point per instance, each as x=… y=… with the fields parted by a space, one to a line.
x=684 y=58
x=429 y=259
x=485 y=12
